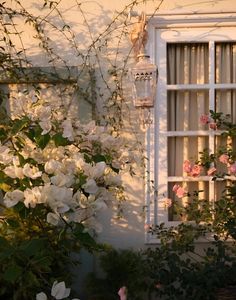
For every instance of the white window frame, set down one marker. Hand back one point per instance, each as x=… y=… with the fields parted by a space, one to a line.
x=163 y=29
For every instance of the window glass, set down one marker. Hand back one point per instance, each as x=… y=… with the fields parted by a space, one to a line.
x=225 y=56
x=185 y=109
x=184 y=148
x=187 y=63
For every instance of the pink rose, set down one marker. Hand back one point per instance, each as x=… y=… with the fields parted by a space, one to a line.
x=158 y=285
x=175 y=188
x=146 y=227
x=224 y=158
x=180 y=192
x=168 y=202
x=196 y=169
x=204 y=119
x=187 y=166
x=122 y=293
x=213 y=125
x=211 y=171
x=232 y=169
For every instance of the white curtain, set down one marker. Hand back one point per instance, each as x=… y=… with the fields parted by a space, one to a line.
x=186 y=63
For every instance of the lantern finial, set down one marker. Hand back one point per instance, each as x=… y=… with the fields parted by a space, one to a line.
x=139 y=35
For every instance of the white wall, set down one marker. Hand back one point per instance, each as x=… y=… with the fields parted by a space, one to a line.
x=128 y=231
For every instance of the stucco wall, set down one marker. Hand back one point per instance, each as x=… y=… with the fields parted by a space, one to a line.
x=128 y=231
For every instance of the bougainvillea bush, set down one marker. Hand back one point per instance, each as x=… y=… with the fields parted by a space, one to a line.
x=55 y=175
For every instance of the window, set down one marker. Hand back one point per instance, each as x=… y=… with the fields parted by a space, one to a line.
x=197 y=73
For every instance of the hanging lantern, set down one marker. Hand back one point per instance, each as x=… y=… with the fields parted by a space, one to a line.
x=144 y=75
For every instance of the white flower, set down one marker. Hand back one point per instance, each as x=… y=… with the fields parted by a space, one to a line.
x=12 y=198
x=51 y=166
x=61 y=207
x=76 y=196
x=82 y=165
x=59 y=290
x=43 y=112
x=46 y=126
x=90 y=127
x=113 y=179
x=68 y=131
x=62 y=180
x=31 y=171
x=41 y=296
x=29 y=147
x=99 y=204
x=32 y=196
x=58 y=198
x=5 y=156
x=93 y=224
x=45 y=178
x=68 y=166
x=14 y=172
x=98 y=170
x=90 y=186
x=53 y=218
x=62 y=194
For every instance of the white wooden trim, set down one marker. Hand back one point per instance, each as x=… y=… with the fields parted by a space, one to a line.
x=188 y=179
x=180 y=28
x=190 y=133
x=212 y=107
x=192 y=87
x=192 y=19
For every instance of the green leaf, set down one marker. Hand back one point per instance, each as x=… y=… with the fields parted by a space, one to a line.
x=98 y=157
x=22 y=210
x=3 y=134
x=6 y=253
x=59 y=140
x=42 y=140
x=3 y=243
x=35 y=134
x=13 y=223
x=12 y=273
x=84 y=238
x=32 y=247
x=18 y=125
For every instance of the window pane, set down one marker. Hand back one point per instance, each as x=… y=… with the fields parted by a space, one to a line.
x=225 y=102
x=187 y=63
x=185 y=108
x=191 y=188
x=181 y=149
x=225 y=62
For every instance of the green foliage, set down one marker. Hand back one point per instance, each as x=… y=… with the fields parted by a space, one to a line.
x=122 y=268
x=34 y=253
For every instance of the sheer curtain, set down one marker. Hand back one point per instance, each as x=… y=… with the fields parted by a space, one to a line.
x=226 y=73
x=186 y=64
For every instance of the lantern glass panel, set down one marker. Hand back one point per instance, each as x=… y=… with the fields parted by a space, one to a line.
x=144 y=83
